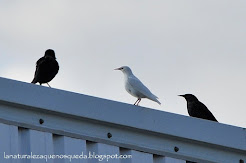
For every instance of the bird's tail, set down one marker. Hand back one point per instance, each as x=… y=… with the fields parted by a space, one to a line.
x=157 y=101
x=154 y=98
x=34 y=81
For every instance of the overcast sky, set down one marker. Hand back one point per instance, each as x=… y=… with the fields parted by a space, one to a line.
x=173 y=46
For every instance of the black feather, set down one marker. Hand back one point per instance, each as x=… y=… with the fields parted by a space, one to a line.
x=46 y=68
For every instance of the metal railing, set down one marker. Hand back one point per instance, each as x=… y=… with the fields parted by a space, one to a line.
x=114 y=123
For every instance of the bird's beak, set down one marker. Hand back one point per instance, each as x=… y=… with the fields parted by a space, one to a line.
x=181 y=95
x=117 y=69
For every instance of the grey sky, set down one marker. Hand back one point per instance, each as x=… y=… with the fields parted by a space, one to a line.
x=173 y=47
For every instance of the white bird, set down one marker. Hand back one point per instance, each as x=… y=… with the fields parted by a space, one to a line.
x=135 y=87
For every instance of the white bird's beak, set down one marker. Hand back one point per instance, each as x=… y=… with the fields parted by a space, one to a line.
x=117 y=69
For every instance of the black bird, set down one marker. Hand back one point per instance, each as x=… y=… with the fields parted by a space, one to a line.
x=197 y=109
x=46 y=68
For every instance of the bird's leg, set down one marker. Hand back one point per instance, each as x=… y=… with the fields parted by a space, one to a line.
x=49 y=85
x=139 y=101
x=136 y=102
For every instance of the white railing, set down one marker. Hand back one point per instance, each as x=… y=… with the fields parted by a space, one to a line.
x=118 y=124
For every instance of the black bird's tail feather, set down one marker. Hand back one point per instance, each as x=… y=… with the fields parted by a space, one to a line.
x=34 y=81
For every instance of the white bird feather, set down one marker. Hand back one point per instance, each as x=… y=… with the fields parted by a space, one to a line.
x=135 y=87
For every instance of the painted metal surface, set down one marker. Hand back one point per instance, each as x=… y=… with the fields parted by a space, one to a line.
x=23 y=141
x=45 y=120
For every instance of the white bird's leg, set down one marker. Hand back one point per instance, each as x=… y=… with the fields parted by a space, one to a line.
x=139 y=101
x=48 y=85
x=136 y=102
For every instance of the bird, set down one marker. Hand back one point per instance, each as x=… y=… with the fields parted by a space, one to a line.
x=197 y=109
x=46 y=68
x=135 y=87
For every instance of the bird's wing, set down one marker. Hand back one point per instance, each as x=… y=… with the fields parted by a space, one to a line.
x=38 y=64
x=40 y=61
x=205 y=113
x=139 y=86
